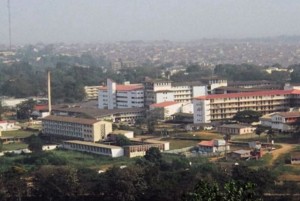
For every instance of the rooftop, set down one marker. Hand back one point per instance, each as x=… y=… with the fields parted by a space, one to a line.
x=257 y=93
x=195 y=83
x=183 y=114
x=123 y=132
x=93 y=144
x=206 y=143
x=125 y=87
x=163 y=104
x=71 y=119
x=95 y=112
x=288 y=114
x=242 y=151
x=235 y=126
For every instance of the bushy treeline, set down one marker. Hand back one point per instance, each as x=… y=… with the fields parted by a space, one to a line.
x=152 y=177
x=247 y=72
x=68 y=80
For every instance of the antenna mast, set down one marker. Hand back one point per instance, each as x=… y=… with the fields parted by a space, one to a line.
x=9 y=23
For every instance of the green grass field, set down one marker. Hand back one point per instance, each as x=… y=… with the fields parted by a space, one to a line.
x=178 y=144
x=14 y=146
x=79 y=159
x=17 y=133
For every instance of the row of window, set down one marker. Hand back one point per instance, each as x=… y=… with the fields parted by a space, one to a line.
x=101 y=150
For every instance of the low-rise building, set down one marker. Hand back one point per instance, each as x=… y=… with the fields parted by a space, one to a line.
x=63 y=127
x=166 y=109
x=235 y=129
x=266 y=120
x=140 y=147
x=95 y=148
x=128 y=134
x=281 y=121
x=213 y=146
x=285 y=121
x=7 y=125
x=295 y=158
x=240 y=154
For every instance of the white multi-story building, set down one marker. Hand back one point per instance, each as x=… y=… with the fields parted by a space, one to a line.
x=157 y=91
x=64 y=127
x=220 y=107
x=120 y=96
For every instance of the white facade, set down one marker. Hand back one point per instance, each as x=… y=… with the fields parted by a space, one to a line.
x=7 y=125
x=187 y=108
x=157 y=91
x=201 y=111
x=95 y=148
x=285 y=122
x=128 y=134
x=213 y=84
x=166 y=109
x=220 y=107
x=120 y=96
x=163 y=96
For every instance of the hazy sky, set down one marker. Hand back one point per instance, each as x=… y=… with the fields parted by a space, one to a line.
x=113 y=20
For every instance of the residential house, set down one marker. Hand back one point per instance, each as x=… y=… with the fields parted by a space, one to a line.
x=235 y=129
x=213 y=146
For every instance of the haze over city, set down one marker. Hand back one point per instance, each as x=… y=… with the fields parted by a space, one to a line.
x=86 y=21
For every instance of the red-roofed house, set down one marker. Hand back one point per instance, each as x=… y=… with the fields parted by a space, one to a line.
x=166 y=109
x=120 y=96
x=219 y=107
x=212 y=146
x=7 y=125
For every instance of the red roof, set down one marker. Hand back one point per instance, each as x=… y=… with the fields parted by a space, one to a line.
x=206 y=143
x=163 y=104
x=288 y=114
x=41 y=107
x=129 y=87
x=5 y=121
x=256 y=93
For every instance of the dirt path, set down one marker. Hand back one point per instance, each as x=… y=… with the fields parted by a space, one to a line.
x=285 y=148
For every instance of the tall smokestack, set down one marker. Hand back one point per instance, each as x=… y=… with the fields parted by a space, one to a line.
x=49 y=93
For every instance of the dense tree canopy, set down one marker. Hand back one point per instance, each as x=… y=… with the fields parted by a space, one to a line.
x=25 y=109
x=248 y=72
x=247 y=116
x=122 y=140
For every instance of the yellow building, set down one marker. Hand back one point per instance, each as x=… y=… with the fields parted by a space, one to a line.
x=64 y=127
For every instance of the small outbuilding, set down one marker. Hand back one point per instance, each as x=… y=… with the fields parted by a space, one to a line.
x=213 y=146
x=240 y=154
x=295 y=158
x=235 y=129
